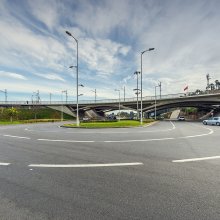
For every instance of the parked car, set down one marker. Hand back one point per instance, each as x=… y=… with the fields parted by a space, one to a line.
x=212 y=121
x=181 y=118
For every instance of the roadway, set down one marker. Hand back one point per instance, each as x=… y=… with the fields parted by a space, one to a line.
x=49 y=172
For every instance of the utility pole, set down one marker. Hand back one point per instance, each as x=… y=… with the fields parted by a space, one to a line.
x=124 y=93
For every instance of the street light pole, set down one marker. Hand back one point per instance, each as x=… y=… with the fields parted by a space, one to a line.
x=160 y=88
x=95 y=94
x=155 y=104
x=141 y=84
x=6 y=94
x=77 y=69
x=62 y=105
x=119 y=107
x=137 y=92
x=65 y=91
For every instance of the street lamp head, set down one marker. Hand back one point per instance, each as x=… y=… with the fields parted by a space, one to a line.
x=81 y=85
x=67 y=32
x=147 y=50
x=72 y=67
x=137 y=72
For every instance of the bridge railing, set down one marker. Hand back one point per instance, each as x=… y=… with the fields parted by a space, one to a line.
x=122 y=100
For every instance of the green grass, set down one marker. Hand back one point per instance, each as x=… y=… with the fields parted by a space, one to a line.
x=27 y=121
x=109 y=124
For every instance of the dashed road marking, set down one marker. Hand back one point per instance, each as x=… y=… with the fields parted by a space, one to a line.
x=86 y=165
x=19 y=137
x=196 y=159
x=4 y=164
x=68 y=141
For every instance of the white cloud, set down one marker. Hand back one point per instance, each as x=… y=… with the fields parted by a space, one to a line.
x=12 y=75
x=101 y=55
x=45 y=11
x=50 y=76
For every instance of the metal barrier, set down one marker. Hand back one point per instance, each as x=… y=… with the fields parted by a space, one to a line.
x=107 y=101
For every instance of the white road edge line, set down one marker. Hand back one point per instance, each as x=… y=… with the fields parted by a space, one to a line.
x=195 y=159
x=86 y=165
x=6 y=135
x=4 y=164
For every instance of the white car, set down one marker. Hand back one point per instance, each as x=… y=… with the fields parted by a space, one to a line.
x=212 y=121
x=181 y=118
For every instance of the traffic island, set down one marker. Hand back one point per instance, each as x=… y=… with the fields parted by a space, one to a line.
x=110 y=124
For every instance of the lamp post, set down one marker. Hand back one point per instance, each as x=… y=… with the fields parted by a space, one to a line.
x=65 y=91
x=141 y=83
x=155 y=104
x=50 y=97
x=6 y=94
x=119 y=107
x=95 y=94
x=137 y=92
x=77 y=69
x=159 y=85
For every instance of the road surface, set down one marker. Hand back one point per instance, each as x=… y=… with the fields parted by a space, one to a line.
x=170 y=170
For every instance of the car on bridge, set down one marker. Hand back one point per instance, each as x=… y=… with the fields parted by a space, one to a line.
x=212 y=121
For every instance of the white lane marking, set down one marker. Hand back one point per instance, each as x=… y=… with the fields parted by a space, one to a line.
x=86 y=165
x=127 y=141
x=4 y=164
x=7 y=135
x=68 y=141
x=199 y=135
x=146 y=140
x=196 y=159
x=109 y=132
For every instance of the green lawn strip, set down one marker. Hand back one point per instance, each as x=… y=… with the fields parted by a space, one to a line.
x=28 y=121
x=108 y=124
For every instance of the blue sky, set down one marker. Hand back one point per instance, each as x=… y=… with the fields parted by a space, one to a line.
x=36 y=52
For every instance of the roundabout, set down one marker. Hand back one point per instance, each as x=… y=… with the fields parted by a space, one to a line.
x=43 y=166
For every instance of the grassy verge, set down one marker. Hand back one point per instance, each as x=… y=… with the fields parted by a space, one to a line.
x=109 y=124
x=28 y=121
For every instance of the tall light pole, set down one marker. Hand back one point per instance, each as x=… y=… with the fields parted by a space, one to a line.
x=159 y=85
x=137 y=92
x=155 y=104
x=95 y=94
x=141 y=83
x=119 y=107
x=65 y=91
x=6 y=94
x=62 y=105
x=77 y=70
x=124 y=93
x=50 y=97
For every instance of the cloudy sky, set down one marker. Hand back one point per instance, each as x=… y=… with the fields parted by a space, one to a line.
x=35 y=51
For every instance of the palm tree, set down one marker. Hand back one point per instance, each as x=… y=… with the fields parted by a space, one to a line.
x=212 y=86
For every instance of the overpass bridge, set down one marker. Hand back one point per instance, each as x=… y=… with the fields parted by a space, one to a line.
x=97 y=109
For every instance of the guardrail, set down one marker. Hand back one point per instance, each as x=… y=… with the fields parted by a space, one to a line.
x=134 y=99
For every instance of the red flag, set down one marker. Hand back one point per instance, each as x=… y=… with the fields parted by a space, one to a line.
x=186 y=88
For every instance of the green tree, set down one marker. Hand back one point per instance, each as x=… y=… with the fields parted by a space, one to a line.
x=12 y=112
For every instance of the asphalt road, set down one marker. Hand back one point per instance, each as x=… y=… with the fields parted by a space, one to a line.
x=134 y=173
